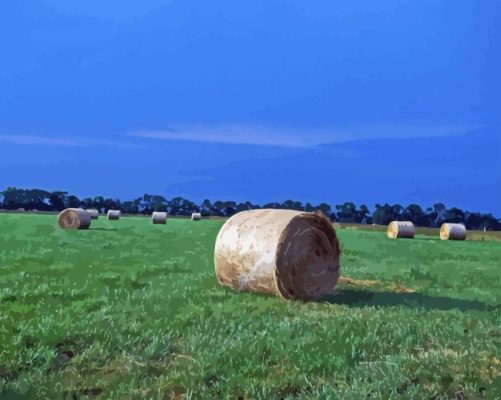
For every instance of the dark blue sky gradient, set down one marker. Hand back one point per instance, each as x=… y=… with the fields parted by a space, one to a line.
x=331 y=101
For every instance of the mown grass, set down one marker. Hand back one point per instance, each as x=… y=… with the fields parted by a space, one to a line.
x=131 y=310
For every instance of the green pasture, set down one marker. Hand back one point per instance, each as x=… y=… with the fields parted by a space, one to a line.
x=131 y=310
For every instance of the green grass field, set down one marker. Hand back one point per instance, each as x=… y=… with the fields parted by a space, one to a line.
x=131 y=310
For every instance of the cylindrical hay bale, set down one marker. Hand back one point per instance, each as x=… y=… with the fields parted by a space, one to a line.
x=74 y=218
x=452 y=232
x=292 y=254
x=401 y=229
x=114 y=215
x=159 y=217
x=94 y=214
x=196 y=217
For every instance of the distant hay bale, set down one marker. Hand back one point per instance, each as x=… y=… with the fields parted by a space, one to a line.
x=291 y=254
x=159 y=217
x=114 y=215
x=401 y=229
x=94 y=214
x=450 y=231
x=196 y=217
x=21 y=209
x=74 y=218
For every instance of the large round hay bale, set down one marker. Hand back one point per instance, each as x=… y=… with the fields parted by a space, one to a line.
x=159 y=217
x=292 y=254
x=74 y=218
x=114 y=215
x=450 y=231
x=94 y=214
x=401 y=229
x=196 y=217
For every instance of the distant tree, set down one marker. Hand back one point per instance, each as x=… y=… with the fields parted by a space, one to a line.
x=130 y=207
x=205 y=208
x=246 y=206
x=347 y=213
x=272 y=205
x=111 y=204
x=325 y=208
x=13 y=198
x=438 y=214
x=72 y=201
x=229 y=208
x=28 y=199
x=453 y=215
x=478 y=221
x=309 y=208
x=414 y=213
x=364 y=215
x=384 y=214
x=217 y=209
x=292 y=205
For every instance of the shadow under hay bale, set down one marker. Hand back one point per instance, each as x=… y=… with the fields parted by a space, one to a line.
x=291 y=254
x=365 y=298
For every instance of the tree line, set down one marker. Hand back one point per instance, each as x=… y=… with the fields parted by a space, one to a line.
x=42 y=200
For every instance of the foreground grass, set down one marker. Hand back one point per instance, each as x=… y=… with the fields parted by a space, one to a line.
x=132 y=310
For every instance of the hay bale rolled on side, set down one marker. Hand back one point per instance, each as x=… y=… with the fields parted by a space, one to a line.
x=94 y=214
x=114 y=215
x=159 y=218
x=450 y=231
x=74 y=218
x=401 y=229
x=196 y=216
x=291 y=254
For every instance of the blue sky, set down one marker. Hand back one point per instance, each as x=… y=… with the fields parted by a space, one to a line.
x=388 y=101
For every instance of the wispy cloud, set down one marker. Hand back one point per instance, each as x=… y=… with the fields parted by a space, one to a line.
x=37 y=140
x=301 y=138
x=260 y=136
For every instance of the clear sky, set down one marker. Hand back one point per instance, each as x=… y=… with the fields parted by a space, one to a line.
x=323 y=101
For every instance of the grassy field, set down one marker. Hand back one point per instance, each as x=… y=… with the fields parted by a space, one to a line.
x=131 y=310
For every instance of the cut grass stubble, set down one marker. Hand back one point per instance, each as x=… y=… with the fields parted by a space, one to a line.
x=129 y=309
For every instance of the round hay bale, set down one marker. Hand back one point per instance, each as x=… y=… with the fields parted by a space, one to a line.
x=401 y=229
x=196 y=217
x=159 y=217
x=94 y=214
x=288 y=253
x=450 y=231
x=114 y=215
x=74 y=218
